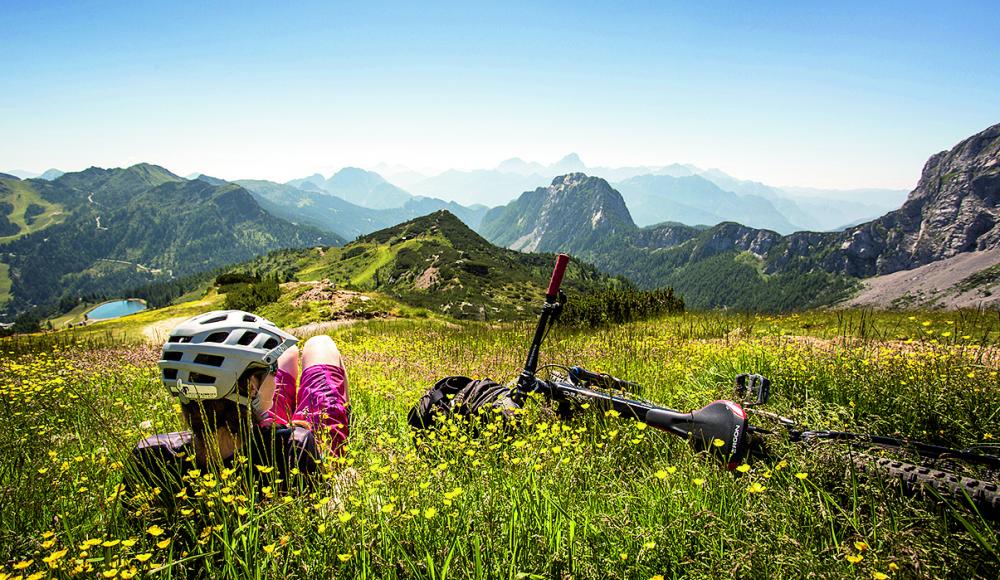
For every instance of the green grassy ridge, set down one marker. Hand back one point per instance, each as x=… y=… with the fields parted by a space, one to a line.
x=435 y=263
x=30 y=212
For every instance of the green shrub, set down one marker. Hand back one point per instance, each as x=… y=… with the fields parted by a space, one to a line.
x=619 y=305
x=252 y=297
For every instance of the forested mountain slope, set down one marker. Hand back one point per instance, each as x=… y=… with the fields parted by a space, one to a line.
x=121 y=228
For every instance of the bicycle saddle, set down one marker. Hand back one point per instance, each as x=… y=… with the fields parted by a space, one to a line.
x=721 y=421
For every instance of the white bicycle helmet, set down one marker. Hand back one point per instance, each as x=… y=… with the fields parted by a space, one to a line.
x=205 y=356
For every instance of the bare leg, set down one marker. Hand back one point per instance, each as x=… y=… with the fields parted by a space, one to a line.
x=321 y=350
x=289 y=361
x=285 y=382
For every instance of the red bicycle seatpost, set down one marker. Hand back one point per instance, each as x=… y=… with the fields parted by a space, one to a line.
x=527 y=378
x=557 y=275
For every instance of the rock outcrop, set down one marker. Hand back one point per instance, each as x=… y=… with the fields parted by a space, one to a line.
x=952 y=210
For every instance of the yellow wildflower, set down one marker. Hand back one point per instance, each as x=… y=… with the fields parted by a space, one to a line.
x=154 y=530
x=54 y=557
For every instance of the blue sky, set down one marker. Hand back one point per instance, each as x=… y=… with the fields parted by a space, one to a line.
x=836 y=94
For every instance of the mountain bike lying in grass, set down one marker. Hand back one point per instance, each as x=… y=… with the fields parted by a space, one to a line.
x=721 y=428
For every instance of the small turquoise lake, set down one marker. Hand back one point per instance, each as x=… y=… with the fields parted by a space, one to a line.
x=116 y=309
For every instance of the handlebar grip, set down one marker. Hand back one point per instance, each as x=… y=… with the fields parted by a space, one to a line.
x=557 y=275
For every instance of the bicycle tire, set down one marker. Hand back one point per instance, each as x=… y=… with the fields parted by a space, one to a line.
x=985 y=495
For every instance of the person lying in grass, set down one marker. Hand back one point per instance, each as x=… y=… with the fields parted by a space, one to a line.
x=234 y=374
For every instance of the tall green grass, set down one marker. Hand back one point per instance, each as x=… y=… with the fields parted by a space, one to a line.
x=599 y=496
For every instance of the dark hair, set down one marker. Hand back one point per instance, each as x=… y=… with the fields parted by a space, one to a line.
x=206 y=417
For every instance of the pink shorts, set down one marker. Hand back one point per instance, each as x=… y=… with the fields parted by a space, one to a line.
x=320 y=401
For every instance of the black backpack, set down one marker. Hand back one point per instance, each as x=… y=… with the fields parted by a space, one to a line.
x=463 y=397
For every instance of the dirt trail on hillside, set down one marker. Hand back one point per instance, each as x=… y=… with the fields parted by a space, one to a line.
x=314 y=328
x=158 y=332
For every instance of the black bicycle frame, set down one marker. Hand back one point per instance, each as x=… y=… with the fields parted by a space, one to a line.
x=638 y=410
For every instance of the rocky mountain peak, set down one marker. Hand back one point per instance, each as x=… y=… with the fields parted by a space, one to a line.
x=568 y=180
x=572 y=213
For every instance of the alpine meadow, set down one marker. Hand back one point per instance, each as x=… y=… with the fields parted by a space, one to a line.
x=499 y=290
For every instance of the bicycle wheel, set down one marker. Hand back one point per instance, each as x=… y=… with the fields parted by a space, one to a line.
x=985 y=495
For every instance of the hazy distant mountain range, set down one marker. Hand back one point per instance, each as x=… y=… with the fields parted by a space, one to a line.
x=48 y=175
x=44 y=219
x=783 y=209
x=676 y=192
x=360 y=187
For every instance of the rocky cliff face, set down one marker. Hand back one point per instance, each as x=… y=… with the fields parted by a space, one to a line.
x=952 y=210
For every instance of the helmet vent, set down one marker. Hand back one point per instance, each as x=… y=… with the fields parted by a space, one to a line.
x=271 y=343
x=179 y=339
x=214 y=319
x=247 y=338
x=173 y=355
x=170 y=374
x=201 y=379
x=217 y=337
x=249 y=318
x=210 y=360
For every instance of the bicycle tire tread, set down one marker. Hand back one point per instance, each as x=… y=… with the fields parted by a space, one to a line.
x=984 y=494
